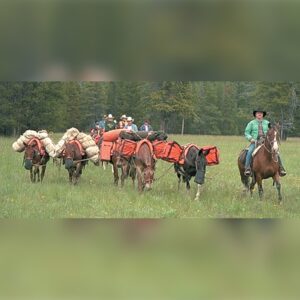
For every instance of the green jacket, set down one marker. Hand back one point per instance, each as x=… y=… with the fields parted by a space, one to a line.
x=110 y=125
x=251 y=131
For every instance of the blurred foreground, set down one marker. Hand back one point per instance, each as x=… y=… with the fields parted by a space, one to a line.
x=149 y=259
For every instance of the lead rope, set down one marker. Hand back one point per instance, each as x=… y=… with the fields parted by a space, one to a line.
x=165 y=173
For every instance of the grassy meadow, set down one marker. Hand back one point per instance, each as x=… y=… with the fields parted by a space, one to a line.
x=97 y=197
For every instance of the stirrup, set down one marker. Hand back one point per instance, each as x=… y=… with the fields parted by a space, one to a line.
x=282 y=173
x=247 y=172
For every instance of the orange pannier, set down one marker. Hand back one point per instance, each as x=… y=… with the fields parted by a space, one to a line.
x=159 y=148
x=106 y=150
x=113 y=135
x=125 y=148
x=213 y=156
x=168 y=151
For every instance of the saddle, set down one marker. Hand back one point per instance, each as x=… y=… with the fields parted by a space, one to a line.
x=186 y=149
x=76 y=142
x=256 y=150
x=40 y=146
x=168 y=151
x=139 y=144
x=125 y=148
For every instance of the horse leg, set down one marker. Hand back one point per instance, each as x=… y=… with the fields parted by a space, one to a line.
x=260 y=187
x=116 y=174
x=179 y=181
x=245 y=181
x=35 y=173
x=252 y=185
x=38 y=174
x=140 y=180
x=188 y=186
x=198 y=192
x=76 y=174
x=31 y=175
x=70 y=175
x=43 y=173
x=276 y=179
x=123 y=176
x=132 y=175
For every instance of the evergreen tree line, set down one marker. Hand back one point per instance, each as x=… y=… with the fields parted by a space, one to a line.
x=220 y=108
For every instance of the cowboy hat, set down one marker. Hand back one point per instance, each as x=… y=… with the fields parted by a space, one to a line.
x=129 y=119
x=110 y=116
x=259 y=110
x=123 y=117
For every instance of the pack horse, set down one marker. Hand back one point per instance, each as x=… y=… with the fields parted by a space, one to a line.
x=35 y=159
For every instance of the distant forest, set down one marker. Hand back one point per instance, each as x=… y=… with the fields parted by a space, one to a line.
x=206 y=107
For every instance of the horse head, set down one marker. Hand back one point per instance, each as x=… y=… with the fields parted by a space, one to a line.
x=273 y=137
x=149 y=177
x=69 y=155
x=31 y=152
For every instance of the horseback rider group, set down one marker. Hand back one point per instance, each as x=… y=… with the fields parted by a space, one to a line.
x=109 y=123
x=255 y=133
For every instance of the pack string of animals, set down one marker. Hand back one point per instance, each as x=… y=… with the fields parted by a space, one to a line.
x=134 y=154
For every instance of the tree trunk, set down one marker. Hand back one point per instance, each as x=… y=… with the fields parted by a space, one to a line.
x=162 y=124
x=182 y=127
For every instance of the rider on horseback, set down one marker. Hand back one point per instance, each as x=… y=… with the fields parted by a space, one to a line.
x=255 y=132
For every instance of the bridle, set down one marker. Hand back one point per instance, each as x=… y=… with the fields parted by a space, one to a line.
x=273 y=152
x=71 y=152
x=149 y=180
x=35 y=153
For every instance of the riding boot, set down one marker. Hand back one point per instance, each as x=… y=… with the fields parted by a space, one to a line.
x=282 y=171
x=248 y=171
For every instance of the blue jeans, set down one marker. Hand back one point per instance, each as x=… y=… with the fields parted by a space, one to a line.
x=249 y=155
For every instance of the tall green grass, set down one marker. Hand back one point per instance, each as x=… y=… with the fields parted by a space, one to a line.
x=97 y=197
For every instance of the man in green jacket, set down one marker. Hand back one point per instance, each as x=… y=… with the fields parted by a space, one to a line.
x=110 y=123
x=255 y=131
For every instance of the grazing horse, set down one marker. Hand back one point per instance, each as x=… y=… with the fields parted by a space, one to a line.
x=194 y=165
x=145 y=165
x=74 y=160
x=265 y=164
x=35 y=157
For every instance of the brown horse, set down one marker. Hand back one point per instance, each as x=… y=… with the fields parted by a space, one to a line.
x=74 y=160
x=145 y=165
x=265 y=164
x=35 y=158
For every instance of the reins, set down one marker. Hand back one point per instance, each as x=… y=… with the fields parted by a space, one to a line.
x=273 y=154
x=81 y=160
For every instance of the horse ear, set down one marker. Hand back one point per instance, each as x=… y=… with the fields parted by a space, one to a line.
x=205 y=152
x=278 y=126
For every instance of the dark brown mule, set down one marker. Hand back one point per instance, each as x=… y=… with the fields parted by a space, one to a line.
x=120 y=162
x=145 y=165
x=74 y=160
x=265 y=164
x=194 y=165
x=127 y=168
x=35 y=159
